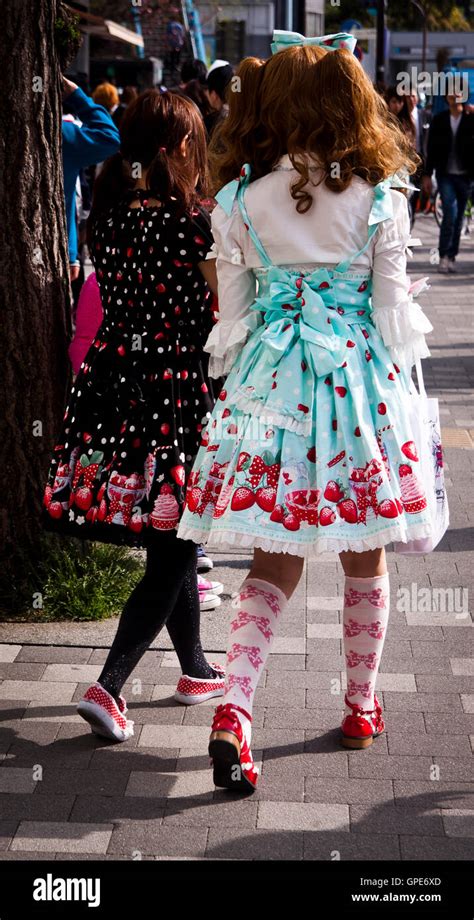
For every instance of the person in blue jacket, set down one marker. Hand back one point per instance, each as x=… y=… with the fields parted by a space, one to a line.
x=83 y=145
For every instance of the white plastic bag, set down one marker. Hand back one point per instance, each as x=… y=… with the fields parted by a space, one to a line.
x=424 y=419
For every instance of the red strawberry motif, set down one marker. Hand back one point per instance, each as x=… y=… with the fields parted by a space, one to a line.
x=121 y=350
x=333 y=491
x=391 y=376
x=311 y=455
x=177 y=473
x=350 y=343
x=274 y=385
x=87 y=437
x=204 y=388
x=304 y=366
x=92 y=514
x=161 y=288
x=226 y=413
x=291 y=522
x=326 y=516
x=136 y=523
x=362 y=287
x=242 y=462
x=397 y=368
x=404 y=469
x=303 y=408
x=357 y=432
x=266 y=498
x=232 y=429
x=55 y=509
x=199 y=240
x=165 y=428
x=242 y=499
x=278 y=514
x=360 y=312
x=410 y=451
x=323 y=286
x=327 y=381
x=388 y=508
x=348 y=510
x=177 y=263
x=365 y=333
x=368 y=356
x=193 y=498
x=183 y=375
x=129 y=252
x=223 y=395
x=334 y=424
x=382 y=408
x=83 y=498
x=341 y=391
x=341 y=311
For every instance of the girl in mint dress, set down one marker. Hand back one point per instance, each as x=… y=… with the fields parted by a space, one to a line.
x=309 y=448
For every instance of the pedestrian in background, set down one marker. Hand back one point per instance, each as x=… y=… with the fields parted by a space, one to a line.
x=218 y=82
x=88 y=138
x=451 y=156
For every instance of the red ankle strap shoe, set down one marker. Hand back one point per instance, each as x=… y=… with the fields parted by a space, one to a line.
x=229 y=749
x=362 y=725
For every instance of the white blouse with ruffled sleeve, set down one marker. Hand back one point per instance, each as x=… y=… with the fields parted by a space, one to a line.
x=335 y=226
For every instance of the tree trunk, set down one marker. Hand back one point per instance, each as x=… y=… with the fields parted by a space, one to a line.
x=33 y=272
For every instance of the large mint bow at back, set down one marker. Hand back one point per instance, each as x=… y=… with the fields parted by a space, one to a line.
x=298 y=308
x=283 y=40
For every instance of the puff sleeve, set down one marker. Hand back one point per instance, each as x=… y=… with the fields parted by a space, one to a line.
x=396 y=315
x=236 y=289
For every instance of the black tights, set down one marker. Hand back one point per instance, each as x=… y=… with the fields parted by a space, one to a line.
x=167 y=596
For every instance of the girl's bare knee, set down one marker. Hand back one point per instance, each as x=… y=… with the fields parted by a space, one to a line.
x=280 y=569
x=364 y=565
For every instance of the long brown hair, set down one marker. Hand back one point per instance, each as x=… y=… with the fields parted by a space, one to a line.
x=151 y=132
x=318 y=105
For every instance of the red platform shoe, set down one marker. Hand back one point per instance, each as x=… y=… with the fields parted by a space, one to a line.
x=363 y=725
x=232 y=758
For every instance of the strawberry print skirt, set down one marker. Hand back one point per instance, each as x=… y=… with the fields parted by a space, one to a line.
x=309 y=447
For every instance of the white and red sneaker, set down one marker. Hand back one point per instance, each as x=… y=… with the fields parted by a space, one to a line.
x=361 y=726
x=206 y=585
x=105 y=716
x=192 y=690
x=229 y=748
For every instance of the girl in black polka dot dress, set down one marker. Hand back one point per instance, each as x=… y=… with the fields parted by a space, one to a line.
x=132 y=427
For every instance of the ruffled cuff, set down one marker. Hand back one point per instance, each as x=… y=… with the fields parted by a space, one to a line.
x=403 y=327
x=226 y=342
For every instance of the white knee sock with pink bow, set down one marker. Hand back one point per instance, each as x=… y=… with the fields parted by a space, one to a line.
x=259 y=605
x=365 y=618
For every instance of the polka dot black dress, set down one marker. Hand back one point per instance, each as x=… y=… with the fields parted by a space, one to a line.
x=132 y=427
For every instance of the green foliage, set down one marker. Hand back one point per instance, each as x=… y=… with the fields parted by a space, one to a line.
x=72 y=580
x=442 y=15
x=67 y=36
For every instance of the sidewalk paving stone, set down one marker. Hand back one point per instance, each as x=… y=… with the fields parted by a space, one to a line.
x=62 y=836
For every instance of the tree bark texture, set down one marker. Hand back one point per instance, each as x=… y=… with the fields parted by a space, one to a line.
x=35 y=308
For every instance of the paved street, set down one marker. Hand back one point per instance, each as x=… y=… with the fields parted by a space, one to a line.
x=64 y=792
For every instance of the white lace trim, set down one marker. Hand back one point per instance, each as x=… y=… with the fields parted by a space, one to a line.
x=321 y=544
x=403 y=327
x=253 y=406
x=226 y=340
